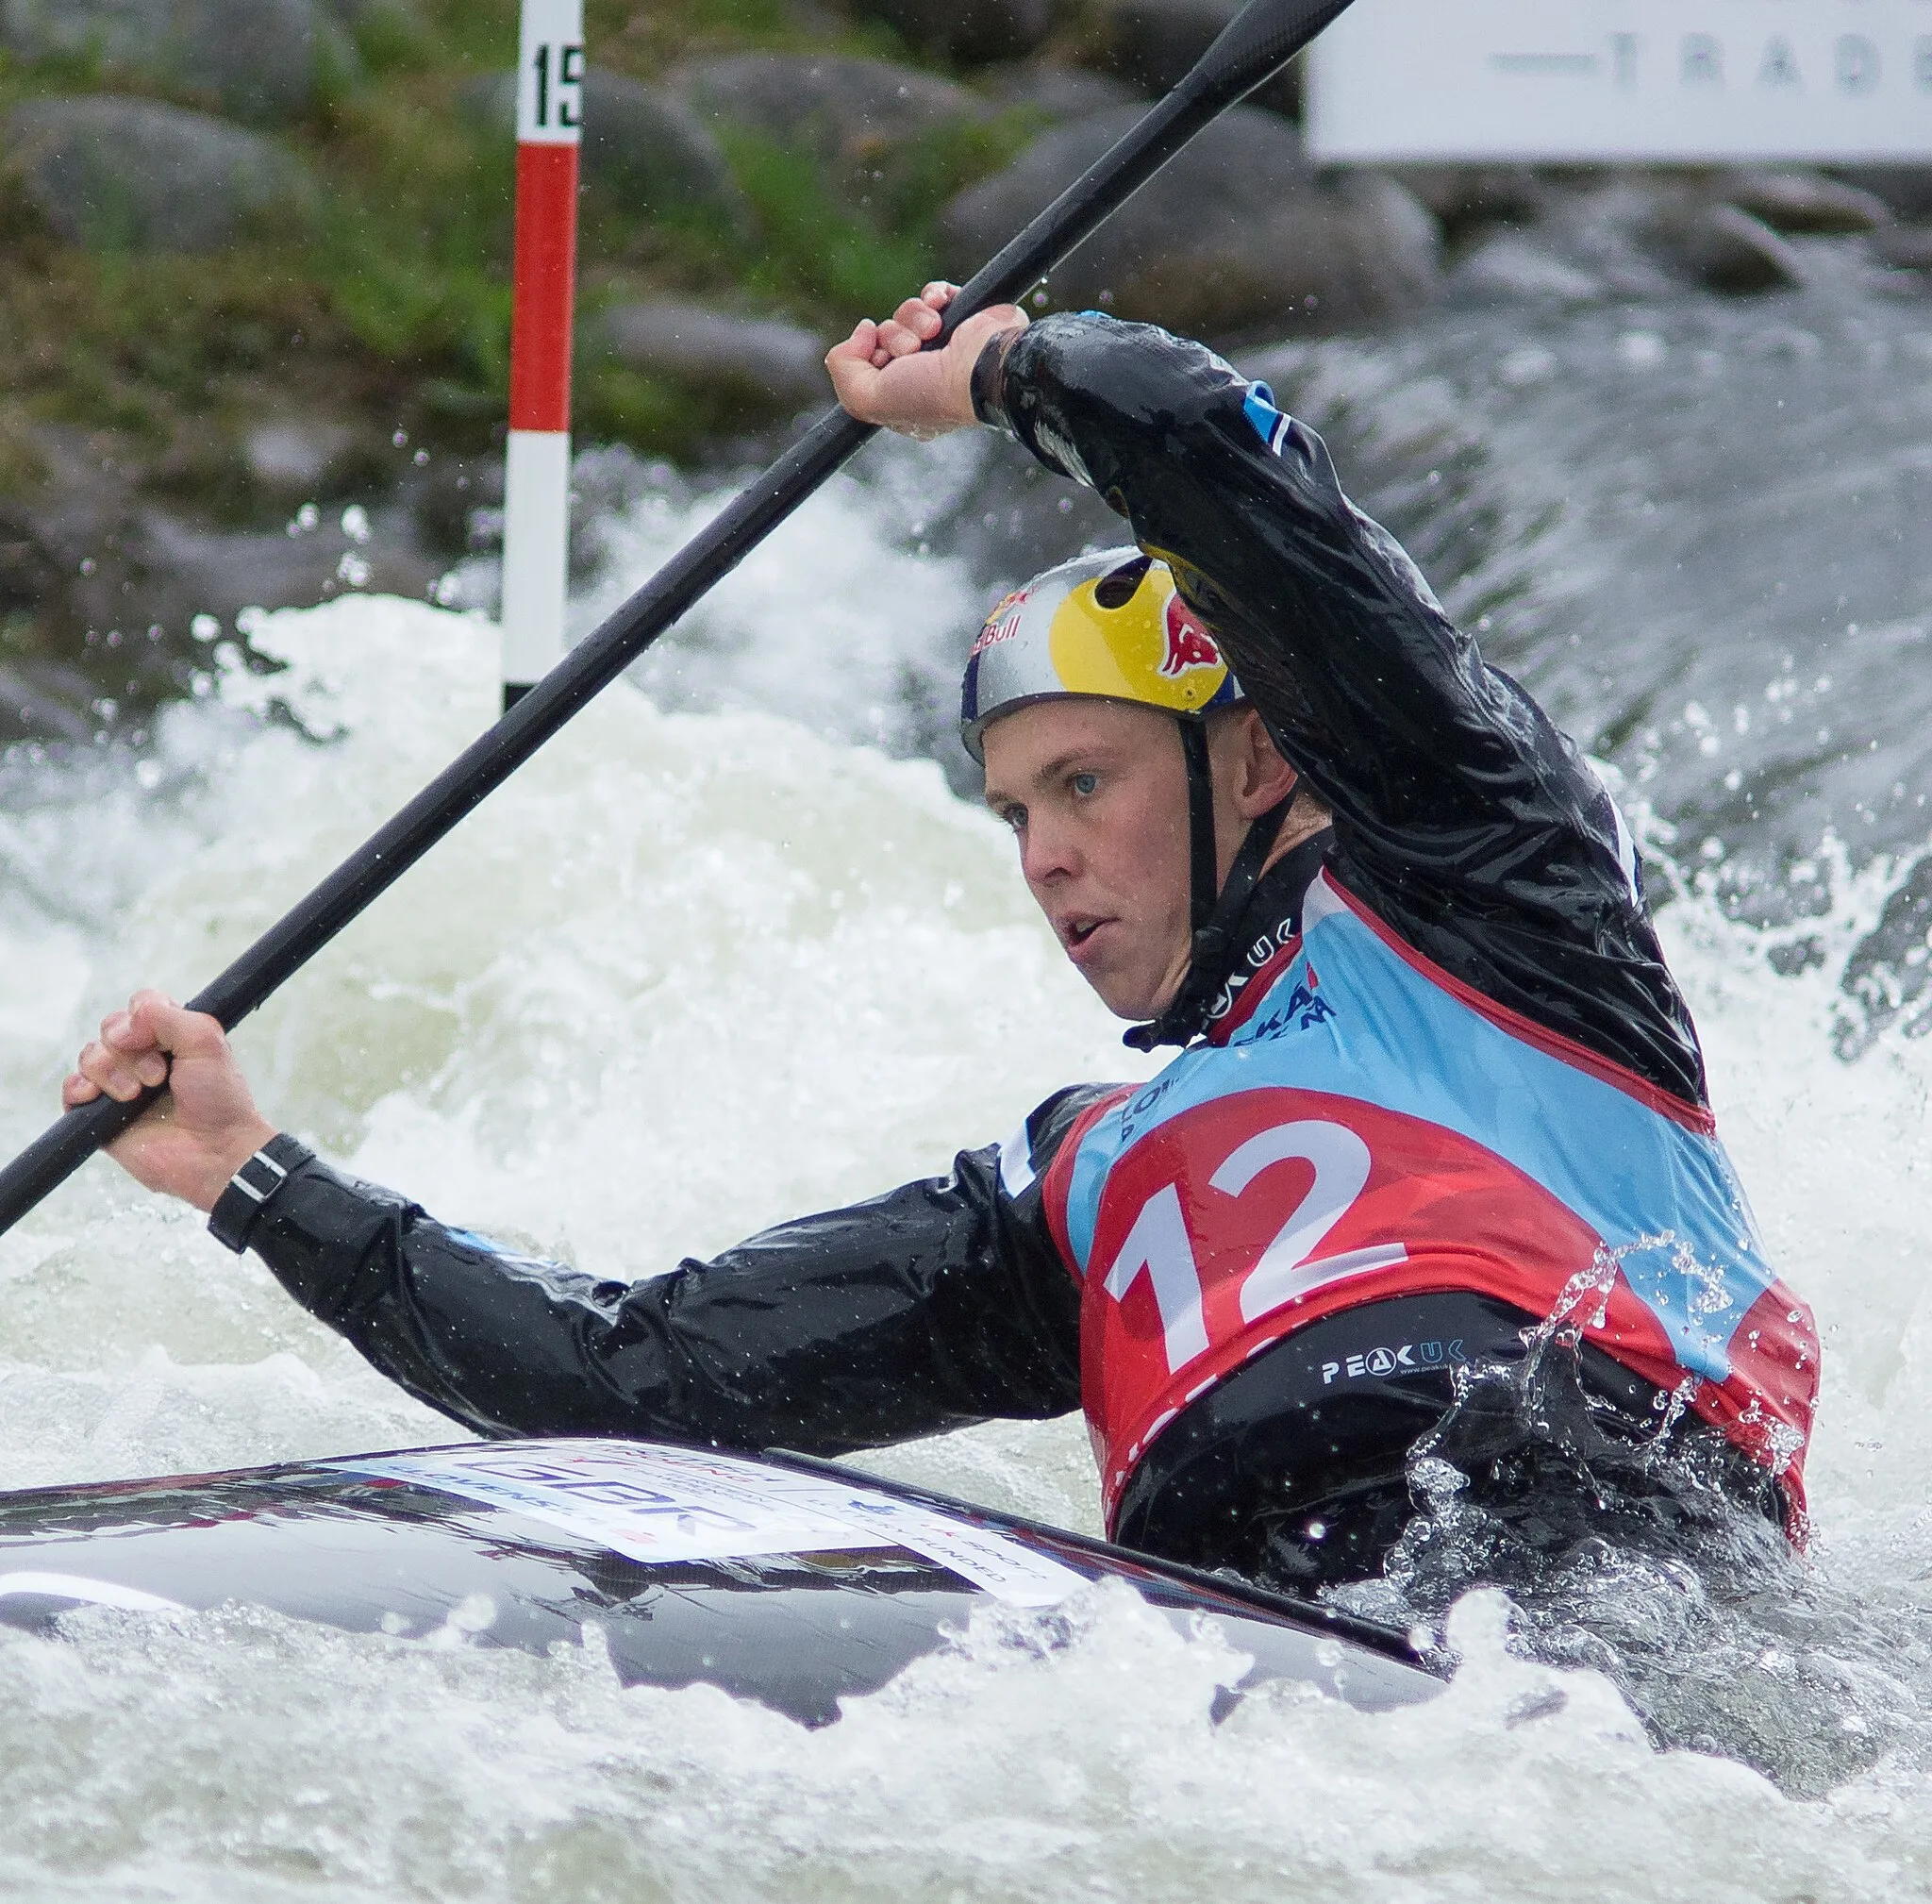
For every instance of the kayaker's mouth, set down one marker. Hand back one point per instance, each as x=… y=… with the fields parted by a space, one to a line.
x=1076 y=933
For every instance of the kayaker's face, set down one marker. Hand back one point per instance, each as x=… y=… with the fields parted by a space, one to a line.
x=1097 y=795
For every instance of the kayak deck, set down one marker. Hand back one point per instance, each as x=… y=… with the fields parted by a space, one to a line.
x=792 y=1582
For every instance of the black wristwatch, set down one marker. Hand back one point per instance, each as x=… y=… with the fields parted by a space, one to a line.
x=250 y=1190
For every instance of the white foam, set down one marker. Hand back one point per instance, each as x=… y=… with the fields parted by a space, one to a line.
x=686 y=974
x=842 y=618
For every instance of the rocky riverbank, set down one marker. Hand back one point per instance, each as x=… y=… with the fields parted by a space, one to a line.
x=257 y=264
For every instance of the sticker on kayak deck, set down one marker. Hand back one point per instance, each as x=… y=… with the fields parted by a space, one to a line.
x=656 y=1503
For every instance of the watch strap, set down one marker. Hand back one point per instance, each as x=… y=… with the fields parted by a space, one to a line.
x=252 y=1188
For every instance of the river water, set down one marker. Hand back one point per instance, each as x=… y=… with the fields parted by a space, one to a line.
x=732 y=949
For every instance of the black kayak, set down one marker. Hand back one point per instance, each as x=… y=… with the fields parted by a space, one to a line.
x=789 y=1581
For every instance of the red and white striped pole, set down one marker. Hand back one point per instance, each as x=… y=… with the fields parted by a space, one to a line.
x=536 y=502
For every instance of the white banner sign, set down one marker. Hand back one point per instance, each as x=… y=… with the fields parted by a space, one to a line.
x=1624 y=79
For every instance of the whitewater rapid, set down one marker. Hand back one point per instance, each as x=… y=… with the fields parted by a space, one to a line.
x=692 y=972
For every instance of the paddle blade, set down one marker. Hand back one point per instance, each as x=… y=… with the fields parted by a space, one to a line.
x=1255 y=44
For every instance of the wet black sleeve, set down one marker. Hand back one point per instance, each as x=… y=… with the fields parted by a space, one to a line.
x=938 y=1303
x=1463 y=816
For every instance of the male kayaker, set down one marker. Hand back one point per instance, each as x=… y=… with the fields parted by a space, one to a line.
x=1439 y=1110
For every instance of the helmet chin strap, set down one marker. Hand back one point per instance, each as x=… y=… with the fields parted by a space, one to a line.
x=1213 y=910
x=1200 y=854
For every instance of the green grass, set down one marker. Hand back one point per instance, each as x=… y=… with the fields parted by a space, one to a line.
x=392 y=302
x=817 y=254
x=471 y=35
x=395 y=39
x=412 y=247
x=925 y=173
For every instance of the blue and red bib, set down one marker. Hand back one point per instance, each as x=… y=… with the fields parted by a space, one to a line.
x=1363 y=1126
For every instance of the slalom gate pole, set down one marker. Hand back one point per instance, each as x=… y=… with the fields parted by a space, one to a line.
x=536 y=488
x=1254 y=45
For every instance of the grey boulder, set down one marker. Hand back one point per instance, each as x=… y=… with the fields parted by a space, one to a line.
x=1061 y=92
x=1510 y=269
x=1464 y=198
x=1236 y=234
x=256 y=60
x=111 y=585
x=764 y=363
x=644 y=147
x=1720 y=247
x=969 y=32
x=840 y=109
x=1153 y=44
x=1904 y=247
x=648 y=149
x=133 y=176
x=294 y=457
x=1805 y=203
x=1906 y=191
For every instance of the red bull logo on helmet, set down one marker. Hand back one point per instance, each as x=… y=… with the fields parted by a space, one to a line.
x=1002 y=623
x=1060 y=636
x=1188 y=644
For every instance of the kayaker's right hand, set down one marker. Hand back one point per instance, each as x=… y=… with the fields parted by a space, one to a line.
x=883 y=374
x=203 y=1128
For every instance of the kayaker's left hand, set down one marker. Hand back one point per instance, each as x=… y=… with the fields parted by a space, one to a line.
x=884 y=375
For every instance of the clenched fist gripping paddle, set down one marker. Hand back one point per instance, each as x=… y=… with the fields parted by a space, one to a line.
x=1258 y=42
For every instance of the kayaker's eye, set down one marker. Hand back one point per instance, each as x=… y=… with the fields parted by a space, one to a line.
x=1086 y=785
x=1015 y=817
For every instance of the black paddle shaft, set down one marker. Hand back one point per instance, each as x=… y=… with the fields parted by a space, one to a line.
x=1258 y=42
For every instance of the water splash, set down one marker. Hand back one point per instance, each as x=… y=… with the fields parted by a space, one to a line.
x=694 y=972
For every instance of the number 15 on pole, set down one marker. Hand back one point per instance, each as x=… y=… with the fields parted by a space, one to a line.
x=536 y=510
